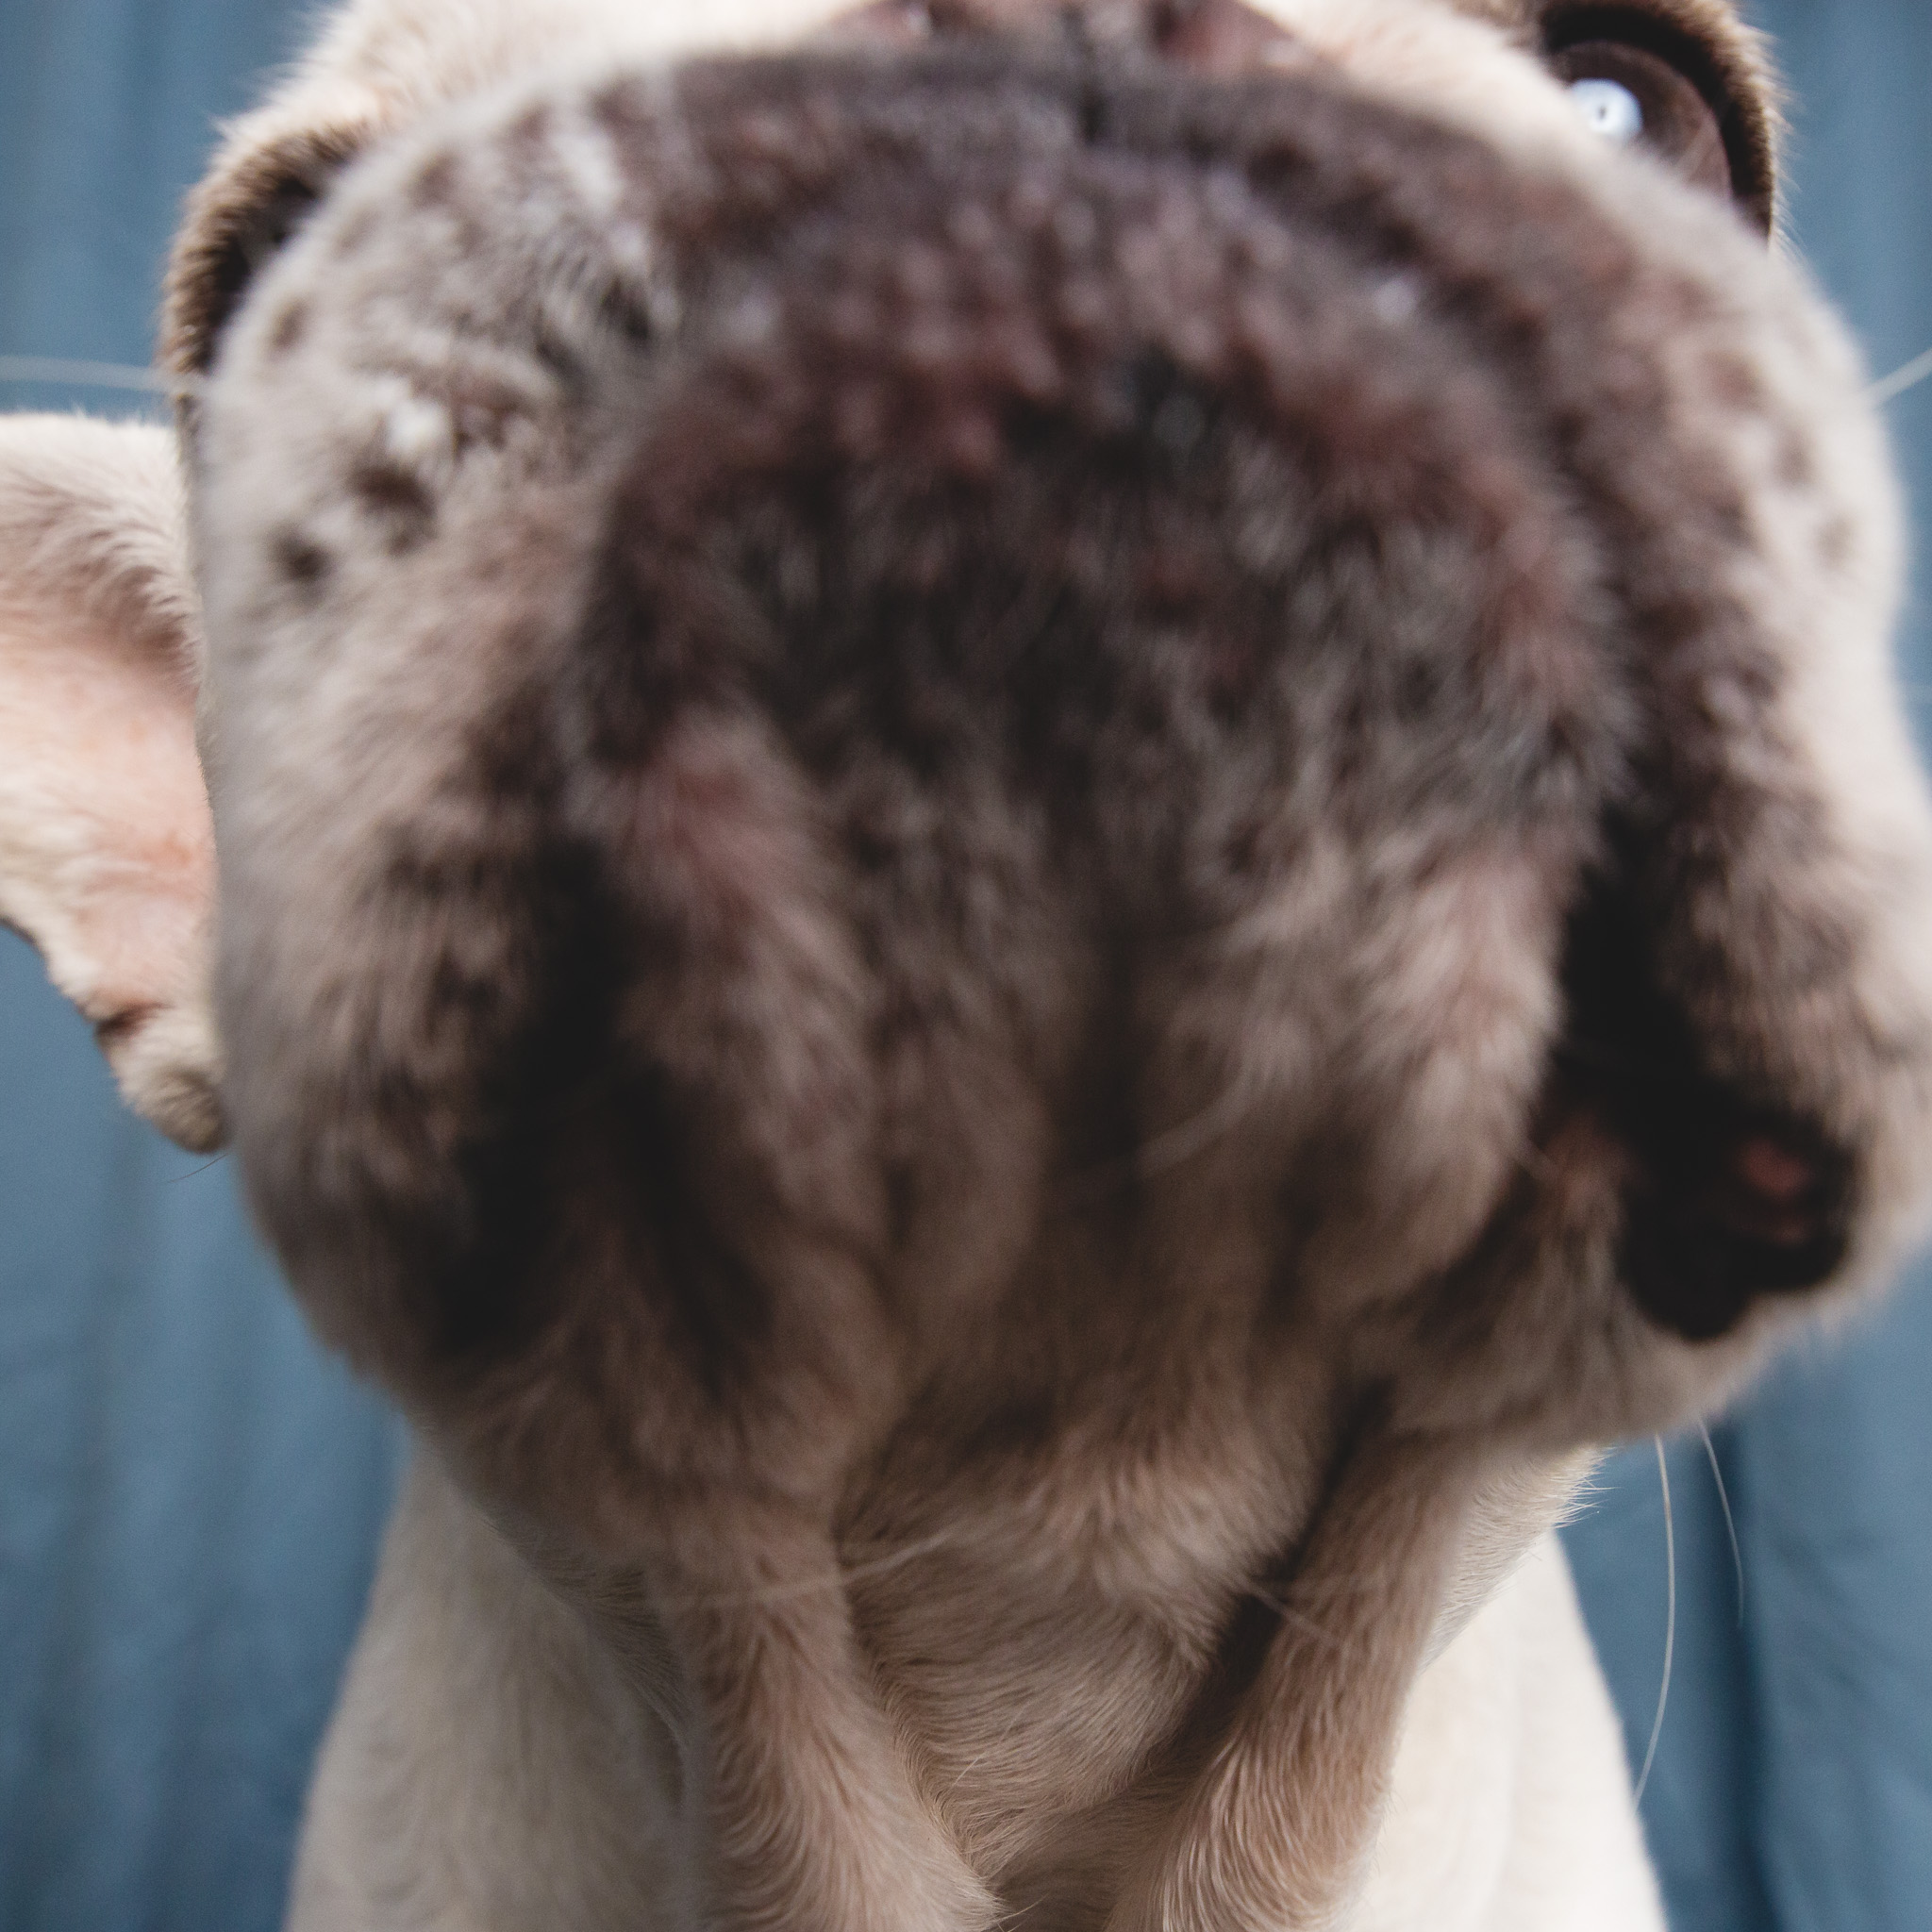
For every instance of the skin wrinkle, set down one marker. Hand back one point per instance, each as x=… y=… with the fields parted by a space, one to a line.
x=1018 y=739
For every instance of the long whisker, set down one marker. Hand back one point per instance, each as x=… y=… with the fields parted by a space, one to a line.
x=1174 y=1146
x=1159 y=1153
x=1300 y=1619
x=1909 y=377
x=1723 y=1498
x=828 y=1581
x=175 y=1180
x=123 y=376
x=1663 y=1695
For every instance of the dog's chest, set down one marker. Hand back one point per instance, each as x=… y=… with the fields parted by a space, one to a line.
x=1044 y=1621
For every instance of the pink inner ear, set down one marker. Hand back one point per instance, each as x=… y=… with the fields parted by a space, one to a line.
x=106 y=850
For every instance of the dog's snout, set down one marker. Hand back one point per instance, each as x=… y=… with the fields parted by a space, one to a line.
x=926 y=575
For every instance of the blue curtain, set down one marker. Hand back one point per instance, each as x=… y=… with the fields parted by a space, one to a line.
x=190 y=1493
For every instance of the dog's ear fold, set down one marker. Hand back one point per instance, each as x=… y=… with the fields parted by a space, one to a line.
x=106 y=851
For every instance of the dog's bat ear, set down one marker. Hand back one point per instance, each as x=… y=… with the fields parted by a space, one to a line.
x=107 y=851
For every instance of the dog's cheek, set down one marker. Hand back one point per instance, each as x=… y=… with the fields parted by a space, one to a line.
x=458 y=1104
x=1783 y=864
x=1748 y=1024
x=1831 y=546
x=591 y=1184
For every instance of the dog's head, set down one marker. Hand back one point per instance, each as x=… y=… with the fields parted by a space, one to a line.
x=900 y=699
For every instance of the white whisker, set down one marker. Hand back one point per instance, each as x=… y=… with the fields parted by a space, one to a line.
x=831 y=1580
x=1175 y=1146
x=1910 y=377
x=1723 y=1498
x=122 y=375
x=1159 y=1153
x=1299 y=1620
x=1663 y=1695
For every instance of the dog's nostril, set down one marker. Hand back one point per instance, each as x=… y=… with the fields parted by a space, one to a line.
x=1779 y=1188
x=1727 y=1199
x=1706 y=1239
x=1786 y=1199
x=1772 y=1172
x=1720 y=1216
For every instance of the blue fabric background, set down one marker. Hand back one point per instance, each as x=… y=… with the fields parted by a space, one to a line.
x=190 y=1493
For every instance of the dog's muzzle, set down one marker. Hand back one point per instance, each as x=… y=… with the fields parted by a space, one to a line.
x=1228 y=484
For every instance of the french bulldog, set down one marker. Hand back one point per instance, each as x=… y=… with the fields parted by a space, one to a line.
x=1020 y=841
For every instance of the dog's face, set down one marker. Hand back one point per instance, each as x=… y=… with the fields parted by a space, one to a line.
x=1097 y=658
x=995 y=758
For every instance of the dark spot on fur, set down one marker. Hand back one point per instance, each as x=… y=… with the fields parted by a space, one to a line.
x=559 y=358
x=620 y=312
x=901 y=1203
x=1241 y=849
x=434 y=185
x=1734 y=381
x=1164 y=407
x=1724 y=506
x=399 y=498
x=302 y=561
x=513 y=748
x=287 y=328
x=356 y=228
x=1418 y=689
x=1094 y=117
x=530 y=133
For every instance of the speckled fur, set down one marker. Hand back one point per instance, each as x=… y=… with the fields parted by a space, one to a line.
x=1031 y=861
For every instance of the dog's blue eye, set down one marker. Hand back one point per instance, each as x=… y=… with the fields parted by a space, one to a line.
x=1608 y=108
x=1668 y=96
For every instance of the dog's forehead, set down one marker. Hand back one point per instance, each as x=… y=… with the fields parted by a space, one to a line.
x=380 y=66
x=410 y=50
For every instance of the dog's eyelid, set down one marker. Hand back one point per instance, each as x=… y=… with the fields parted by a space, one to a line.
x=1704 y=104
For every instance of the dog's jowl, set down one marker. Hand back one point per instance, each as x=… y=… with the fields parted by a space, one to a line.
x=1020 y=841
